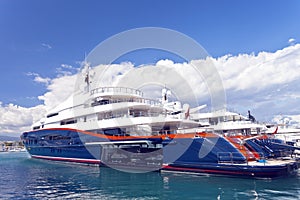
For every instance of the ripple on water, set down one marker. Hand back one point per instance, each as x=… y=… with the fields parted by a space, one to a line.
x=24 y=178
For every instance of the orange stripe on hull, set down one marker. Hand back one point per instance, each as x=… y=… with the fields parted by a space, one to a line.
x=168 y=136
x=250 y=155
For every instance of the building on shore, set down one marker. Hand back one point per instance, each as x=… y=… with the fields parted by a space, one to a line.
x=6 y=146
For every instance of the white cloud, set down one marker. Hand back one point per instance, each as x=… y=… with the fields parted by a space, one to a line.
x=66 y=70
x=289 y=120
x=47 y=46
x=291 y=41
x=259 y=72
x=267 y=83
x=38 y=78
x=16 y=119
x=58 y=90
x=66 y=66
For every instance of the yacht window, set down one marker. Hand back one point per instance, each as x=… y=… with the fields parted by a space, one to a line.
x=114 y=132
x=52 y=115
x=100 y=102
x=70 y=121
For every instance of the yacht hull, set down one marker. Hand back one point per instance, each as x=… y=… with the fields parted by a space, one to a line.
x=251 y=170
x=202 y=153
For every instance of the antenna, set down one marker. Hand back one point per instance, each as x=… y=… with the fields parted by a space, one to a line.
x=85 y=57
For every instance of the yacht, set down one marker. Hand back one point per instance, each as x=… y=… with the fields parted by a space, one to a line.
x=267 y=140
x=118 y=127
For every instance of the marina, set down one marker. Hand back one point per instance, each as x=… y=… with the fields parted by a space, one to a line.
x=11 y=146
x=150 y=100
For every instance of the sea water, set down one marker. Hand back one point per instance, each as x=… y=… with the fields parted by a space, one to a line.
x=24 y=178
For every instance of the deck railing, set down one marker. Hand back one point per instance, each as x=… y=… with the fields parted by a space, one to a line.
x=151 y=102
x=117 y=90
x=236 y=157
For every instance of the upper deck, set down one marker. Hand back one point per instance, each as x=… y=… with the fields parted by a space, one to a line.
x=122 y=91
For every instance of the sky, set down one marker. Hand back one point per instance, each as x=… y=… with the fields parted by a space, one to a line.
x=253 y=44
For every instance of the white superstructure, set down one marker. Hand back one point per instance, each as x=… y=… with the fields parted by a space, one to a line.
x=108 y=108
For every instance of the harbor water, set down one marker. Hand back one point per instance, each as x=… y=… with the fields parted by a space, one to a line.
x=26 y=178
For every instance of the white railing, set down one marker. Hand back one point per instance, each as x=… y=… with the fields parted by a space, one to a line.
x=117 y=90
x=151 y=102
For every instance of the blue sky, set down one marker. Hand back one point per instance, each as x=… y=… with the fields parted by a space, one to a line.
x=38 y=37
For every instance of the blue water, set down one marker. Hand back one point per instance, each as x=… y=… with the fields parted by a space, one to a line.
x=24 y=178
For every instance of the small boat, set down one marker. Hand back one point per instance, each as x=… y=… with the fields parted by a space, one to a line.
x=246 y=132
x=287 y=134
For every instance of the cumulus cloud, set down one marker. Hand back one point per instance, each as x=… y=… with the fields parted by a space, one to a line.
x=257 y=72
x=38 y=78
x=267 y=83
x=15 y=119
x=58 y=90
x=289 y=120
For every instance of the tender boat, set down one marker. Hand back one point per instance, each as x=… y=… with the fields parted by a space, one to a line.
x=246 y=131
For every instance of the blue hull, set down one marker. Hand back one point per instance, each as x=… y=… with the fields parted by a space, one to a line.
x=77 y=154
x=204 y=155
x=246 y=171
